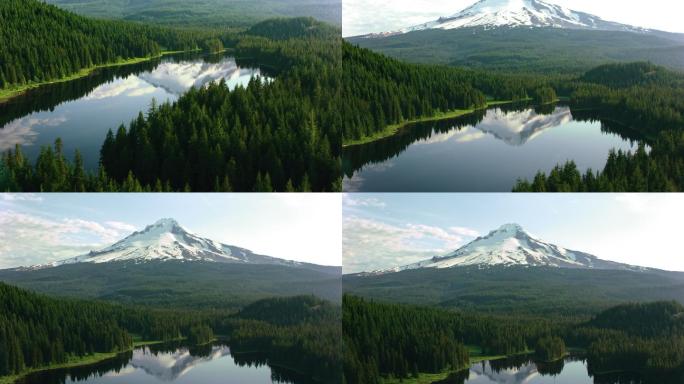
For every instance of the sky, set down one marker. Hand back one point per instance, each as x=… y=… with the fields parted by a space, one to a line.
x=41 y=228
x=382 y=231
x=373 y=16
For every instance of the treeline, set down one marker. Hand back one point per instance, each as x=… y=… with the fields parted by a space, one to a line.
x=308 y=342
x=379 y=91
x=41 y=42
x=645 y=338
x=384 y=340
x=550 y=348
x=37 y=331
x=278 y=135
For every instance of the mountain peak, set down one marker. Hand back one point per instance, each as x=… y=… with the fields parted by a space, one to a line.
x=166 y=222
x=510 y=245
x=490 y=14
x=167 y=240
x=511 y=227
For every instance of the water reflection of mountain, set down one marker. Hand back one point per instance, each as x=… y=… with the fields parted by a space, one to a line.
x=189 y=69
x=168 y=366
x=179 y=77
x=514 y=125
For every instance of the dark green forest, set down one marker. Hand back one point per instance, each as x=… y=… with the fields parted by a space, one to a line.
x=279 y=135
x=206 y=12
x=640 y=338
x=36 y=331
x=42 y=42
x=379 y=91
x=556 y=51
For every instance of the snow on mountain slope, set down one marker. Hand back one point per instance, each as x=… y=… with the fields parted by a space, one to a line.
x=167 y=240
x=511 y=245
x=490 y=14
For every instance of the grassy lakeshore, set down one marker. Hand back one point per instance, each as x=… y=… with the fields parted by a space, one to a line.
x=392 y=129
x=476 y=356
x=9 y=93
x=75 y=362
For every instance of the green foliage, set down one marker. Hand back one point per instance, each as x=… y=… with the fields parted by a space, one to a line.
x=624 y=75
x=200 y=334
x=544 y=95
x=294 y=28
x=549 y=348
x=397 y=341
x=307 y=343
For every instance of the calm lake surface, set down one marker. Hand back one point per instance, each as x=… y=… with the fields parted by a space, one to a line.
x=484 y=152
x=173 y=363
x=522 y=370
x=82 y=111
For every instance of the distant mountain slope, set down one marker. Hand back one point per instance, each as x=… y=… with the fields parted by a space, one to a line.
x=511 y=245
x=179 y=284
x=519 y=289
x=552 y=50
x=207 y=12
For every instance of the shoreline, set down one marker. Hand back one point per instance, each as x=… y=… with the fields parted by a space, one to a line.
x=10 y=93
x=82 y=361
x=393 y=129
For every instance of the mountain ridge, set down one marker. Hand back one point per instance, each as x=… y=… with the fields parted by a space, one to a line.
x=167 y=240
x=491 y=14
x=510 y=245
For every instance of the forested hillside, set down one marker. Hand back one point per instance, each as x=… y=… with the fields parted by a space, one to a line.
x=394 y=340
x=42 y=42
x=207 y=12
x=380 y=91
x=397 y=341
x=529 y=50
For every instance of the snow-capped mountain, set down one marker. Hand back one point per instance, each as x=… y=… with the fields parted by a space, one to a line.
x=490 y=14
x=167 y=240
x=511 y=245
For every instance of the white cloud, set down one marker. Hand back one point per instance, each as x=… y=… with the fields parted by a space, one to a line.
x=357 y=201
x=22 y=131
x=28 y=239
x=21 y=197
x=370 y=245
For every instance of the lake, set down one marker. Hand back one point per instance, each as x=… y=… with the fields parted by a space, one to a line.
x=571 y=370
x=83 y=110
x=487 y=151
x=173 y=363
